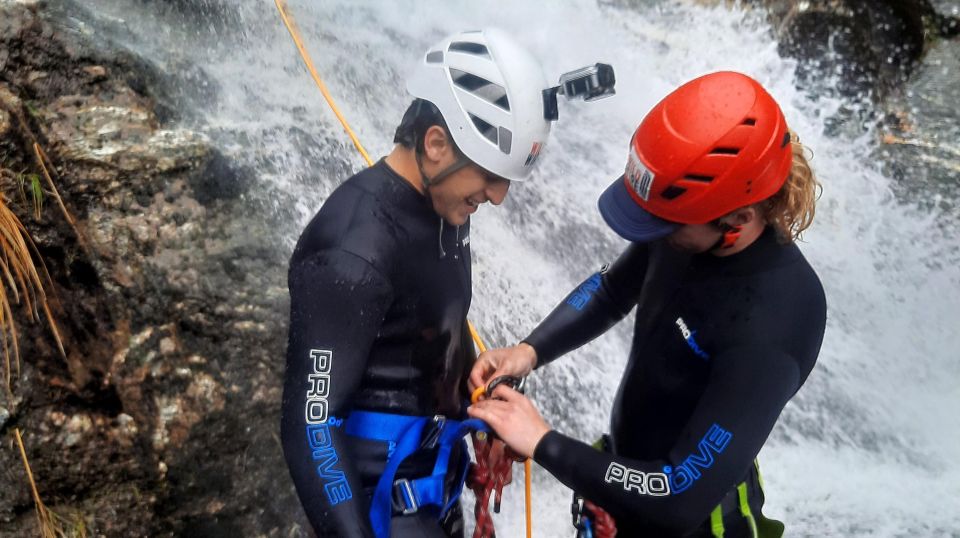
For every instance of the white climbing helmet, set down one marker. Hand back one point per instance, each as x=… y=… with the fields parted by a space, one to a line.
x=489 y=90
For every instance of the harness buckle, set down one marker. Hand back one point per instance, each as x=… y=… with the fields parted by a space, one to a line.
x=432 y=438
x=577 y=511
x=405 y=496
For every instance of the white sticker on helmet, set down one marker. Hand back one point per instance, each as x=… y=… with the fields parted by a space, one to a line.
x=638 y=175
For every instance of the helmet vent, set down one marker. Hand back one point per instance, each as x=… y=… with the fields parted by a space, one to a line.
x=488 y=131
x=469 y=48
x=750 y=121
x=506 y=139
x=468 y=81
x=435 y=57
x=672 y=192
x=694 y=177
x=725 y=151
x=482 y=88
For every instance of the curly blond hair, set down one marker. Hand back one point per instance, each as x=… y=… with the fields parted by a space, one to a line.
x=790 y=211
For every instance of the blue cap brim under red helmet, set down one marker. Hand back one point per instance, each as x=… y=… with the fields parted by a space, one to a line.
x=628 y=219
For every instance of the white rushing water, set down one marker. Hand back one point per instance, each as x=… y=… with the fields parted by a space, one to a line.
x=869 y=447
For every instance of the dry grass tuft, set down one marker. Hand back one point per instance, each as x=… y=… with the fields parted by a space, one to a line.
x=21 y=282
x=19 y=278
x=43 y=161
x=50 y=524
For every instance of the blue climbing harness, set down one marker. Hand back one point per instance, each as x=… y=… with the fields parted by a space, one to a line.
x=404 y=436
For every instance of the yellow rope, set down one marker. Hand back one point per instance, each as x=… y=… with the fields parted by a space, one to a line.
x=316 y=78
x=288 y=22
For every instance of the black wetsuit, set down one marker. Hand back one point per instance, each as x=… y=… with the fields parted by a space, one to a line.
x=379 y=290
x=720 y=345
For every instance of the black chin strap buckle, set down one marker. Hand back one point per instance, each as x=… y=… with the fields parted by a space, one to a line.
x=730 y=235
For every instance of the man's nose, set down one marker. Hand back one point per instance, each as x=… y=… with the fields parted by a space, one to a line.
x=496 y=191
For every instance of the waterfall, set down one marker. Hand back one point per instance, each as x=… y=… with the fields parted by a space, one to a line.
x=869 y=446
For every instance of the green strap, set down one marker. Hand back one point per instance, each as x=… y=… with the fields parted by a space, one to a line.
x=768 y=528
x=716 y=522
x=745 y=508
x=756 y=464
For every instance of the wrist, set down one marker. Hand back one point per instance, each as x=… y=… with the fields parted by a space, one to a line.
x=544 y=447
x=536 y=437
x=530 y=354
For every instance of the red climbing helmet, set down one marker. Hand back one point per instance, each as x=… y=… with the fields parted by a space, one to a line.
x=717 y=143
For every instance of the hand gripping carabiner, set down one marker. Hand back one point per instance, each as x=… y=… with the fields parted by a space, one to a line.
x=516 y=383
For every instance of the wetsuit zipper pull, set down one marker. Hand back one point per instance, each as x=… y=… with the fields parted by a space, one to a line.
x=443 y=253
x=457 y=244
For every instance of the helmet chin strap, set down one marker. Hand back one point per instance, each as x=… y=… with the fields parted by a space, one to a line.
x=427 y=181
x=440 y=176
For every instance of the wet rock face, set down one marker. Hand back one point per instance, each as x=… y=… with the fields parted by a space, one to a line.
x=921 y=142
x=872 y=46
x=866 y=49
x=5 y=122
x=900 y=54
x=170 y=297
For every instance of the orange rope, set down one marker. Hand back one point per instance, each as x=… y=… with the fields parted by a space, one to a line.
x=316 y=78
x=527 y=472
x=476 y=338
x=527 y=464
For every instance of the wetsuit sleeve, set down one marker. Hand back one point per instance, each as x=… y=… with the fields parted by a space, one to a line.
x=592 y=308
x=747 y=390
x=338 y=302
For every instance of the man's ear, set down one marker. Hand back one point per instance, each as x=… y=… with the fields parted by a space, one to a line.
x=742 y=216
x=436 y=144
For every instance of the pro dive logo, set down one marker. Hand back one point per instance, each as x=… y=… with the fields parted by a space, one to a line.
x=318 y=421
x=688 y=336
x=653 y=484
x=579 y=298
x=691 y=469
x=672 y=480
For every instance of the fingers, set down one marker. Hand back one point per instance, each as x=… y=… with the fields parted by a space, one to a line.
x=499 y=407
x=481 y=371
x=498 y=414
x=506 y=393
x=476 y=378
x=494 y=415
x=516 y=422
x=516 y=361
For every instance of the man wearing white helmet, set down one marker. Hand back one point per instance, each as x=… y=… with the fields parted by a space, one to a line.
x=380 y=286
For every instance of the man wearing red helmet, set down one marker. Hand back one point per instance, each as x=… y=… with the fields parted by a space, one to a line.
x=729 y=321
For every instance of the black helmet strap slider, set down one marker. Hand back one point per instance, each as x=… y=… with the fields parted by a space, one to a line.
x=427 y=181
